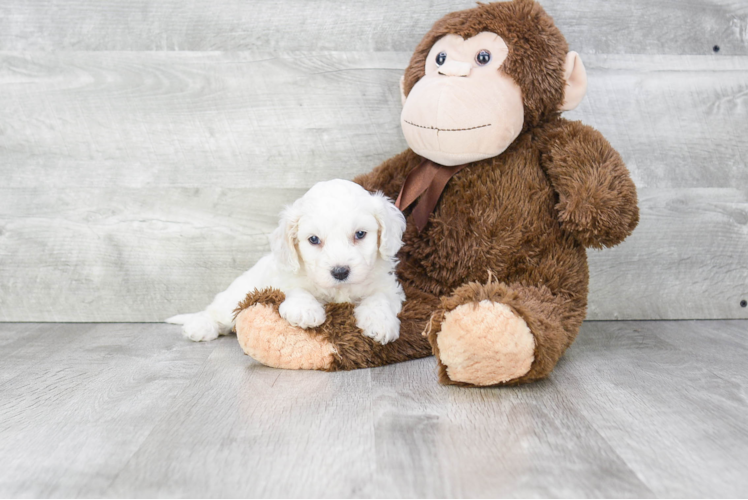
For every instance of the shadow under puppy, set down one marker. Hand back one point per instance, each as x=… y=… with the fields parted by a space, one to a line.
x=337 y=243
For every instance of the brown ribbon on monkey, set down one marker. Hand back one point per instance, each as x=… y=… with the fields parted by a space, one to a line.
x=426 y=181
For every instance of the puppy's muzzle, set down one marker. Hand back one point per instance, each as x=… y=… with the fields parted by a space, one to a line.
x=341 y=273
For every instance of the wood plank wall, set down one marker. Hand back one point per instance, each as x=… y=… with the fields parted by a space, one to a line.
x=147 y=147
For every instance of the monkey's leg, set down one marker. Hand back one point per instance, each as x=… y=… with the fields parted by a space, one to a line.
x=337 y=344
x=499 y=334
x=272 y=341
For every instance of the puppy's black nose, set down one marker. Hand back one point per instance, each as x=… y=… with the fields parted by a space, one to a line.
x=340 y=273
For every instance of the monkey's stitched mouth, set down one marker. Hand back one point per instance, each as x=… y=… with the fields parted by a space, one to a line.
x=447 y=129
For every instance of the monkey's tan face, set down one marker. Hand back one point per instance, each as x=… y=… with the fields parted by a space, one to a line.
x=465 y=108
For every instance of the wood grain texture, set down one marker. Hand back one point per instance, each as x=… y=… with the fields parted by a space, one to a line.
x=635 y=409
x=127 y=254
x=678 y=122
x=23 y=343
x=522 y=442
x=137 y=185
x=196 y=120
x=87 y=399
x=243 y=429
x=289 y=120
x=636 y=26
x=656 y=390
x=142 y=255
x=686 y=260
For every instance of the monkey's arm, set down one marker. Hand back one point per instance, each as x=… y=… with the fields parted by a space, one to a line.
x=390 y=175
x=597 y=198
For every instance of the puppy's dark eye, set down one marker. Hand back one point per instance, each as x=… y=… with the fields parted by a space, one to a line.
x=483 y=57
x=440 y=58
x=314 y=240
x=360 y=235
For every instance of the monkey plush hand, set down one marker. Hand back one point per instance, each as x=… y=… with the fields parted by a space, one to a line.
x=502 y=196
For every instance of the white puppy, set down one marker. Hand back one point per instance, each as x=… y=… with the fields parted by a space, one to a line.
x=337 y=243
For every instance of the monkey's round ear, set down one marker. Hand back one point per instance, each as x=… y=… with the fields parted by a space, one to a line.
x=576 y=81
x=402 y=90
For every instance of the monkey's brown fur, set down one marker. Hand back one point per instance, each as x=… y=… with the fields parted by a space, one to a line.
x=510 y=229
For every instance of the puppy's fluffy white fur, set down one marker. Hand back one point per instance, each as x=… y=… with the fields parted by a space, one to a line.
x=336 y=230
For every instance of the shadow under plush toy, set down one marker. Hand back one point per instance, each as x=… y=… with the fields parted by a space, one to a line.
x=502 y=196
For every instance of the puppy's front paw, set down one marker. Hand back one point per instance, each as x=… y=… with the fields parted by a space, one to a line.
x=304 y=313
x=382 y=326
x=201 y=327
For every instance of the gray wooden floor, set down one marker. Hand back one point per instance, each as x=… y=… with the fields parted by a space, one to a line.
x=634 y=409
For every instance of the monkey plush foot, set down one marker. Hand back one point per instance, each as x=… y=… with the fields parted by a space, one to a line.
x=272 y=341
x=500 y=334
x=485 y=343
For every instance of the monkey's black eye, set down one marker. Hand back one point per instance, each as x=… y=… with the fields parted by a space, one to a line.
x=314 y=240
x=440 y=58
x=483 y=57
x=359 y=235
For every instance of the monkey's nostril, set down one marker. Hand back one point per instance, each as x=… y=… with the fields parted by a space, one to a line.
x=340 y=273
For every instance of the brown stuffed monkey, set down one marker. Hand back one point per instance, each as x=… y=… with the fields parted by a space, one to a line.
x=502 y=196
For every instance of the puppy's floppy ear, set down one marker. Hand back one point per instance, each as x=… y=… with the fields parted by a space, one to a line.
x=283 y=238
x=391 y=226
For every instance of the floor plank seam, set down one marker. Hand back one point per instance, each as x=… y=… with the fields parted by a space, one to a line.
x=164 y=416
